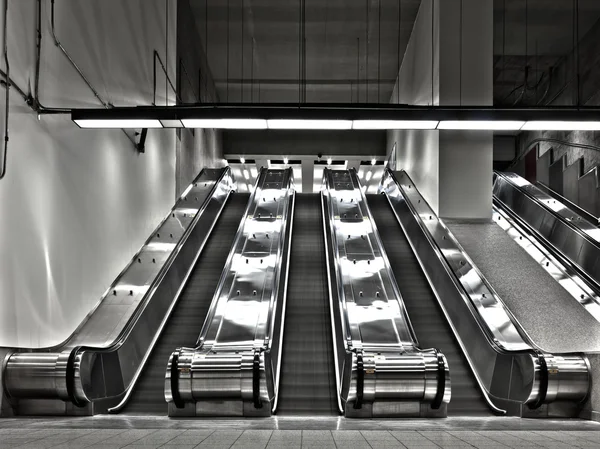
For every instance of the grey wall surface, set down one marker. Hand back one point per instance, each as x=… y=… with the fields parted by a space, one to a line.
x=198 y=148
x=279 y=143
x=417 y=152
x=448 y=61
x=76 y=204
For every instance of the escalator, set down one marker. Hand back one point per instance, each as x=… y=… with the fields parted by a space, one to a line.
x=190 y=311
x=307 y=385
x=428 y=320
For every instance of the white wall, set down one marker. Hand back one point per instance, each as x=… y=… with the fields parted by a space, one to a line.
x=452 y=170
x=417 y=152
x=76 y=204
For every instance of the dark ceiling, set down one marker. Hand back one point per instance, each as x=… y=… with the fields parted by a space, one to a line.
x=352 y=48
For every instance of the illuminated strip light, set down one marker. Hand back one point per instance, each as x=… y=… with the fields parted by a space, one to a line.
x=487 y=125
x=118 y=123
x=395 y=124
x=229 y=123
x=309 y=124
x=251 y=123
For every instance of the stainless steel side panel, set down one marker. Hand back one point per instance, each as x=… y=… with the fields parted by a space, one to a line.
x=234 y=369
x=513 y=375
x=380 y=369
x=567 y=235
x=102 y=359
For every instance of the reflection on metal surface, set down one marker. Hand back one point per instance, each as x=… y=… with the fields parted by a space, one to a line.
x=98 y=365
x=234 y=368
x=566 y=277
x=380 y=369
x=563 y=242
x=515 y=377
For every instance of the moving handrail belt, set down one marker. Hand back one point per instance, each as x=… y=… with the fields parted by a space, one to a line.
x=96 y=367
x=571 y=236
x=514 y=375
x=380 y=370
x=234 y=368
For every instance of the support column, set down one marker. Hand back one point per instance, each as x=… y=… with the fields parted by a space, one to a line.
x=449 y=62
x=465 y=78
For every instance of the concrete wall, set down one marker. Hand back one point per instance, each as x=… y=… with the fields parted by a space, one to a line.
x=417 y=152
x=197 y=148
x=448 y=61
x=76 y=204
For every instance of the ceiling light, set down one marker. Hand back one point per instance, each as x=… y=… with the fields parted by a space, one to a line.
x=246 y=174
x=561 y=126
x=285 y=160
x=118 y=123
x=242 y=160
x=373 y=161
x=309 y=124
x=329 y=161
x=226 y=123
x=394 y=124
x=481 y=125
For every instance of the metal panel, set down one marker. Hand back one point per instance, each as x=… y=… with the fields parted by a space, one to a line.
x=511 y=372
x=380 y=369
x=234 y=369
x=559 y=231
x=103 y=358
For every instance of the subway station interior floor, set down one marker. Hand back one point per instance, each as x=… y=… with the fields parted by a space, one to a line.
x=294 y=433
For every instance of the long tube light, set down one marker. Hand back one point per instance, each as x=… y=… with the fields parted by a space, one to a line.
x=339 y=117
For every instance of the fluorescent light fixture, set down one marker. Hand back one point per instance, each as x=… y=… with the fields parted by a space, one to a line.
x=246 y=174
x=503 y=125
x=329 y=161
x=242 y=160
x=170 y=123
x=119 y=123
x=309 y=124
x=394 y=124
x=226 y=123
x=373 y=161
x=285 y=160
x=561 y=126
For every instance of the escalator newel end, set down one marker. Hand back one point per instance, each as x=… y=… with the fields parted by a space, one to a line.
x=256 y=380
x=439 y=397
x=543 y=384
x=175 y=380
x=360 y=380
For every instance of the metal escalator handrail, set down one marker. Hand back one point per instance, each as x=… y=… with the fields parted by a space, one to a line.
x=240 y=341
x=76 y=351
x=162 y=273
x=520 y=188
x=568 y=203
x=523 y=342
x=338 y=383
x=535 y=383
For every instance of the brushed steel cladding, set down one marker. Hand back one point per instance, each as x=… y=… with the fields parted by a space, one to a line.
x=559 y=230
x=97 y=366
x=379 y=367
x=515 y=377
x=234 y=369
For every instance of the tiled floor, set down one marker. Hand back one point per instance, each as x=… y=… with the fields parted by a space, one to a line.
x=296 y=433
